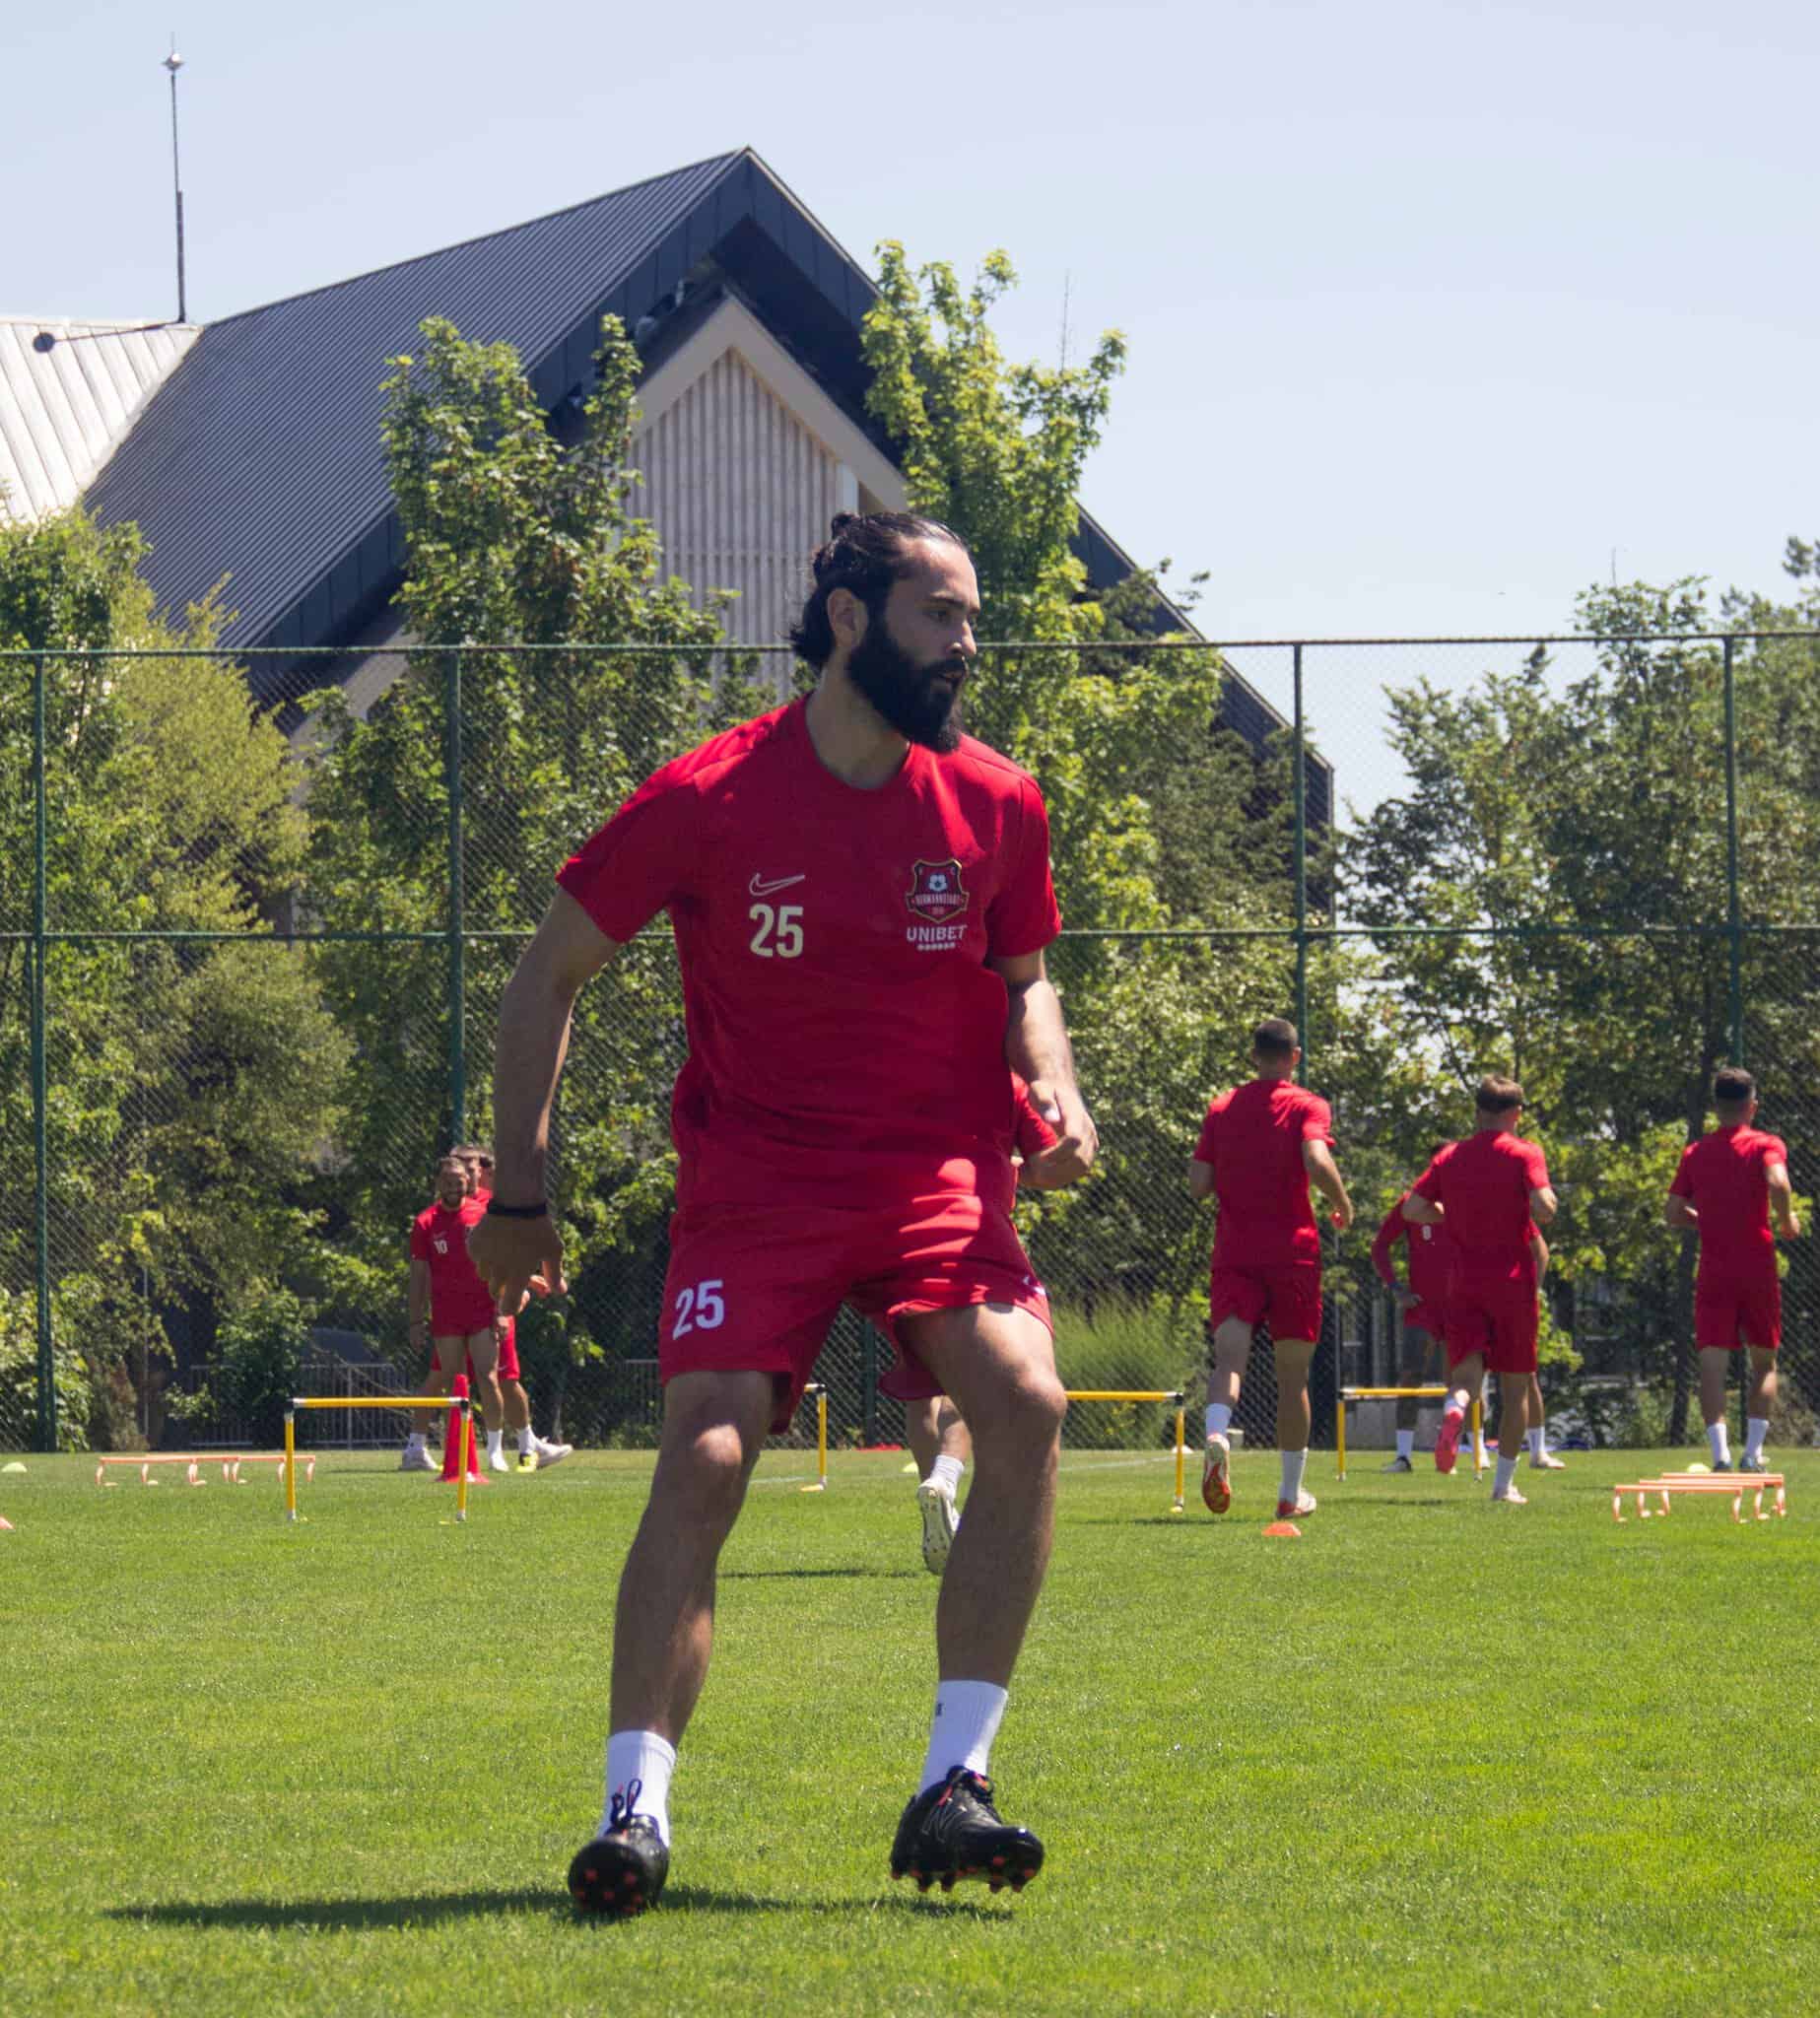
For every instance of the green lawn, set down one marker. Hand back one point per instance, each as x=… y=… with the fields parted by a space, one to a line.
x=1432 y=1757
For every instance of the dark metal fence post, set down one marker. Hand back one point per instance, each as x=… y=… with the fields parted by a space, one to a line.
x=41 y=1074
x=457 y=909
x=1301 y=876
x=1734 y=912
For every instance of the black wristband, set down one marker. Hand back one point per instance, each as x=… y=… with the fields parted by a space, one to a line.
x=495 y=1210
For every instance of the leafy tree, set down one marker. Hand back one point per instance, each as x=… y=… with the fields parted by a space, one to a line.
x=517 y=541
x=189 y=1080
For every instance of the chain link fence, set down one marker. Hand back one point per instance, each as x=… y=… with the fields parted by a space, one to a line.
x=250 y=964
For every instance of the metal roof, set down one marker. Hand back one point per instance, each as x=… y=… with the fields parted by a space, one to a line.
x=260 y=457
x=65 y=405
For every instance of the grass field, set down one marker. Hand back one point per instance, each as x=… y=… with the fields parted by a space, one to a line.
x=1432 y=1758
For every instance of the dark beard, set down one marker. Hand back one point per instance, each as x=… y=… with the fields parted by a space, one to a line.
x=914 y=699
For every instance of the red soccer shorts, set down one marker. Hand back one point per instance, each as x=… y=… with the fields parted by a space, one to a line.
x=754 y=1288
x=1497 y=1319
x=1287 y=1299
x=1733 y=1312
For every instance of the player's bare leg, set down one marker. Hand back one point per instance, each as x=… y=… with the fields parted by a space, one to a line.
x=417 y=1456
x=483 y=1357
x=941 y=1447
x=1715 y=1377
x=1757 y=1412
x=1466 y=1379
x=999 y=1363
x=1294 y=1357
x=1232 y=1354
x=1542 y=1459
x=1512 y=1421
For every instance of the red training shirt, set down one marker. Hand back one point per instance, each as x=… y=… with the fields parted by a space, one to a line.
x=1725 y=1177
x=846 y=1033
x=1430 y=1254
x=460 y=1302
x=1482 y=1184
x=1252 y=1139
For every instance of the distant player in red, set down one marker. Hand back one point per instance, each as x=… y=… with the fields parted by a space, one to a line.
x=1728 y=1185
x=860 y=898
x=933 y=1428
x=535 y=1452
x=1421 y=1301
x=453 y=1308
x=1487 y=1190
x=1261 y=1148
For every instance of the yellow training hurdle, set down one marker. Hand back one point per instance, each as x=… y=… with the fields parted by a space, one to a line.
x=401 y=1401
x=1347 y=1394
x=1174 y=1395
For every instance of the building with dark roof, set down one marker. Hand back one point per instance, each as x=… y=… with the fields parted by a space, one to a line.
x=256 y=456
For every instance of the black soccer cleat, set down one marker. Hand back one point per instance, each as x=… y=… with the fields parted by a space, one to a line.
x=952 y=1831
x=622 y=1872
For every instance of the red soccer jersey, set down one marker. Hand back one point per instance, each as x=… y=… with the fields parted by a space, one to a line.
x=1030 y=1134
x=845 y=1032
x=1725 y=1177
x=1429 y=1254
x=458 y=1300
x=1252 y=1139
x=1482 y=1184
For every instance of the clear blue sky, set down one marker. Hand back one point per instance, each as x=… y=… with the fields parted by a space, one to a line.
x=1431 y=306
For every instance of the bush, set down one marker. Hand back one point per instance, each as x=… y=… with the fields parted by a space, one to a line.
x=19 y=1378
x=259 y=1355
x=1124 y=1344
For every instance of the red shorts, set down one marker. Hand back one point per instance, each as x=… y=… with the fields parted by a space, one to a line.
x=1497 y=1319
x=754 y=1288
x=1734 y=1312
x=508 y=1367
x=1287 y=1299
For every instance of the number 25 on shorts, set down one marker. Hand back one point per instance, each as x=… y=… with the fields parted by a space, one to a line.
x=780 y=930
x=699 y=1309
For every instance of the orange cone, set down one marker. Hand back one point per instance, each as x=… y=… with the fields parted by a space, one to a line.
x=451 y=1439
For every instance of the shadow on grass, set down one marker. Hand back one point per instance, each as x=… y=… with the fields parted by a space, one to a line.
x=342 y=1916
x=750 y=1576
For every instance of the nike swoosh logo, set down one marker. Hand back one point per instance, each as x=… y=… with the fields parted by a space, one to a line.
x=760 y=888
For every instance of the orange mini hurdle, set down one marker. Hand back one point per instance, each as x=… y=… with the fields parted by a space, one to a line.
x=1732 y=1487
x=193 y=1460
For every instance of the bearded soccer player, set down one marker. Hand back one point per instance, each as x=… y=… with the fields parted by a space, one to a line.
x=1490 y=1191
x=1728 y=1185
x=449 y=1301
x=1261 y=1145
x=933 y=1428
x=860 y=898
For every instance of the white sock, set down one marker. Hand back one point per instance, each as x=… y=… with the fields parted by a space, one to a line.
x=1718 y=1439
x=1755 y=1429
x=949 y=1471
x=527 y=1442
x=1405 y=1443
x=495 y=1439
x=415 y=1441
x=960 y=1732
x=1533 y=1437
x=644 y=1757
x=1219 y=1418
x=1505 y=1474
x=1293 y=1463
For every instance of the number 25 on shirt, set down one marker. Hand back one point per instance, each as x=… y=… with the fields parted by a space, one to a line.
x=778 y=931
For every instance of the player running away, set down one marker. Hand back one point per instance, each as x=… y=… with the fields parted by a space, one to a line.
x=1260 y=1147
x=451 y=1309
x=860 y=898
x=1730 y=1184
x=933 y=1428
x=1420 y=1299
x=1490 y=1191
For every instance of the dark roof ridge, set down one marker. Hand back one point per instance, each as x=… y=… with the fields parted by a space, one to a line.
x=726 y=161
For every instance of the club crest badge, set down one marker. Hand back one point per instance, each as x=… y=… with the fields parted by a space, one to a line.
x=936 y=893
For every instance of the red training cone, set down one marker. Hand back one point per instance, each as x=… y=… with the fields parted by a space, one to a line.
x=451 y=1439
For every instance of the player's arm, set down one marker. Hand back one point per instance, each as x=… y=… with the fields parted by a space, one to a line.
x=1538 y=1254
x=1036 y=1049
x=532 y=1040
x=1543 y=1204
x=1325 y=1173
x=1200 y=1180
x=1384 y=1262
x=1420 y=1211
x=1680 y=1214
x=418 y=1299
x=1782 y=1200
